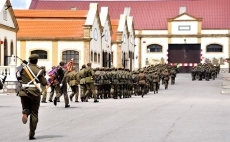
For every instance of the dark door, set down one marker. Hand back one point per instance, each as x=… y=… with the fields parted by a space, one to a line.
x=184 y=53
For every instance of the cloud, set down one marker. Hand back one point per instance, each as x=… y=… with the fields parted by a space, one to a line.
x=20 y=4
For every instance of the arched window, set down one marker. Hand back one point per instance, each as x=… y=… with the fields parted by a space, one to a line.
x=154 y=48
x=71 y=54
x=11 y=48
x=214 y=48
x=91 y=55
x=99 y=57
x=42 y=54
x=95 y=57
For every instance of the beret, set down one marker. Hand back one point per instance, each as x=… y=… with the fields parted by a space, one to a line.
x=62 y=63
x=88 y=64
x=33 y=56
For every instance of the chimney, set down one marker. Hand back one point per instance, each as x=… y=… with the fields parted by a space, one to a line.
x=73 y=8
x=127 y=11
x=182 y=10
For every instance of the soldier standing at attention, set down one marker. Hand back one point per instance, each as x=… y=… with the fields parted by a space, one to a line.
x=31 y=95
x=89 y=80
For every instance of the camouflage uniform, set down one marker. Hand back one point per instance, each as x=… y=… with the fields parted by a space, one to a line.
x=142 y=82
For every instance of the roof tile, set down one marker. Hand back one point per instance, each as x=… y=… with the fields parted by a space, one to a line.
x=153 y=14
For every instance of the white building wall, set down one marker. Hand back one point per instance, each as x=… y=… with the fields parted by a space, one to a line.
x=39 y=45
x=71 y=45
x=106 y=39
x=136 y=53
x=221 y=41
x=157 y=56
x=9 y=36
x=6 y=20
x=114 y=49
x=193 y=25
x=155 y=32
x=95 y=43
x=47 y=46
x=184 y=40
x=214 y=31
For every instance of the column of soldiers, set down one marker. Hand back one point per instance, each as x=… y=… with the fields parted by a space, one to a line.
x=205 y=71
x=102 y=83
x=122 y=83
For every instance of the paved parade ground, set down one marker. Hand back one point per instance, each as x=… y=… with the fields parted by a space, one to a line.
x=189 y=111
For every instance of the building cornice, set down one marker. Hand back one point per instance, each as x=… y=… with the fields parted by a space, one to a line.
x=179 y=35
x=52 y=39
x=8 y=28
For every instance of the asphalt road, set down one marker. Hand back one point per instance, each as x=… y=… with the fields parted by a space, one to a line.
x=189 y=111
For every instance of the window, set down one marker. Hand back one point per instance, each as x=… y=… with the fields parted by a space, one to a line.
x=91 y=55
x=11 y=48
x=42 y=54
x=214 y=48
x=184 y=28
x=99 y=57
x=154 y=48
x=71 y=54
x=111 y=56
x=95 y=57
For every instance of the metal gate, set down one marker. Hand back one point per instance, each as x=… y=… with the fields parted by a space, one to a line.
x=186 y=55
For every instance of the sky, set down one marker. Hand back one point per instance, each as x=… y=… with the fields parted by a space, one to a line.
x=20 y=4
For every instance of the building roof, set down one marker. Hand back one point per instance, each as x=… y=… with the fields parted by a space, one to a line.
x=37 y=24
x=152 y=14
x=51 y=13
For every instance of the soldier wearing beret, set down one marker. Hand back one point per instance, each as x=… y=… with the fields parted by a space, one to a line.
x=30 y=95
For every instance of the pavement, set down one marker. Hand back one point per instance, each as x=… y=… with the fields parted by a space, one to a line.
x=189 y=111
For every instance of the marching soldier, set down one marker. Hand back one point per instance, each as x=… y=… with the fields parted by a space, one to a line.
x=52 y=86
x=82 y=83
x=62 y=86
x=155 y=82
x=135 y=82
x=89 y=80
x=166 y=78
x=173 y=75
x=30 y=94
x=72 y=79
x=43 y=87
x=142 y=82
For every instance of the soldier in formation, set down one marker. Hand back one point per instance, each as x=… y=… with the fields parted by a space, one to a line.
x=205 y=71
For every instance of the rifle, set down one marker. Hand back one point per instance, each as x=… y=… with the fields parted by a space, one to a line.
x=30 y=73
